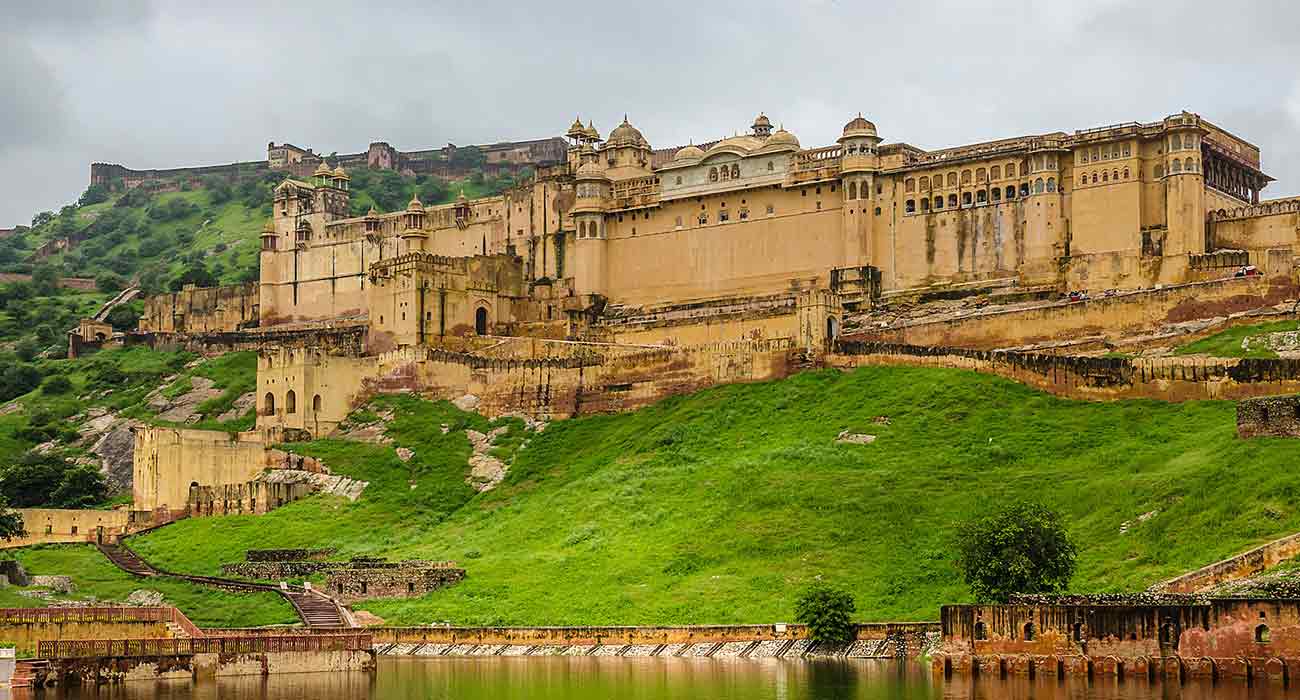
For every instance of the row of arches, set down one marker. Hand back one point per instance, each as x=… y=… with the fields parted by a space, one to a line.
x=732 y=173
x=588 y=229
x=1106 y=176
x=994 y=195
x=1108 y=151
x=1289 y=206
x=967 y=176
x=290 y=403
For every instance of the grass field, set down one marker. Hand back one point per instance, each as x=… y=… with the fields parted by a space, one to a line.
x=1228 y=343
x=718 y=507
x=96 y=578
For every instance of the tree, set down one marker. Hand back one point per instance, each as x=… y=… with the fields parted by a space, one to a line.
x=94 y=195
x=82 y=486
x=123 y=318
x=828 y=613
x=195 y=274
x=1023 y=548
x=32 y=480
x=467 y=158
x=18 y=379
x=11 y=523
x=45 y=281
x=110 y=283
x=58 y=384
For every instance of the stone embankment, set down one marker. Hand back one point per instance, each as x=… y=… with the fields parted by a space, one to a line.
x=873 y=641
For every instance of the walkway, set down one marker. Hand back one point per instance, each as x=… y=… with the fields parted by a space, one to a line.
x=315 y=609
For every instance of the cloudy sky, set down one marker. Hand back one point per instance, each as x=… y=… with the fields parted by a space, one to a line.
x=172 y=83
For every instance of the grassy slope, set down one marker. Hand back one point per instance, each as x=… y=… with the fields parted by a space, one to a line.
x=95 y=577
x=717 y=507
x=1228 y=343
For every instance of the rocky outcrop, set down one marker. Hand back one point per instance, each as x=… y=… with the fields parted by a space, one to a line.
x=184 y=408
x=485 y=470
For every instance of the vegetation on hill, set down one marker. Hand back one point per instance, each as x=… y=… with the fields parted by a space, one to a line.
x=1228 y=343
x=721 y=506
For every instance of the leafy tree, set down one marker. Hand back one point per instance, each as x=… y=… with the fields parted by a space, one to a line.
x=195 y=274
x=11 y=523
x=58 y=384
x=1022 y=548
x=50 y=480
x=432 y=190
x=828 y=613
x=42 y=218
x=110 y=283
x=467 y=158
x=123 y=318
x=81 y=486
x=18 y=379
x=45 y=281
x=94 y=195
x=27 y=349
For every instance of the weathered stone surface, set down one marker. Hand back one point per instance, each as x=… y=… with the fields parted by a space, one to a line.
x=58 y=584
x=184 y=408
x=405 y=454
x=485 y=470
x=239 y=407
x=855 y=438
x=13 y=570
x=145 y=598
x=116 y=452
x=468 y=402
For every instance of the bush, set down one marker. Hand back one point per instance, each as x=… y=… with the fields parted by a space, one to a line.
x=1022 y=548
x=52 y=481
x=58 y=384
x=17 y=380
x=828 y=613
x=110 y=283
x=94 y=195
x=123 y=318
x=27 y=349
x=195 y=274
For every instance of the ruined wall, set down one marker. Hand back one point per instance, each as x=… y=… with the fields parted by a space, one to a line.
x=55 y=525
x=168 y=461
x=202 y=310
x=402 y=580
x=1092 y=378
x=1273 y=416
x=1238 y=638
x=1123 y=313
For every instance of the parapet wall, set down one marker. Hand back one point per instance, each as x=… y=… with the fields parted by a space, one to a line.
x=58 y=525
x=168 y=461
x=198 y=310
x=1093 y=378
x=1244 y=565
x=1126 y=312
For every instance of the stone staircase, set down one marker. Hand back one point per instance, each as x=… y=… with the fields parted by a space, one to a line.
x=314 y=609
x=27 y=672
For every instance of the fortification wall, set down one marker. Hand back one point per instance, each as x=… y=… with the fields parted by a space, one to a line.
x=1119 y=314
x=58 y=525
x=1244 y=565
x=200 y=310
x=1092 y=378
x=168 y=461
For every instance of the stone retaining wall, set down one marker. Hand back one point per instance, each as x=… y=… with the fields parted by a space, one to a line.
x=1274 y=416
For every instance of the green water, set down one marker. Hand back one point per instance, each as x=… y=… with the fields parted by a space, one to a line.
x=570 y=678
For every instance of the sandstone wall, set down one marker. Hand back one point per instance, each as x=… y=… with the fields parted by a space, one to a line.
x=1244 y=565
x=1127 y=312
x=55 y=525
x=168 y=461
x=202 y=310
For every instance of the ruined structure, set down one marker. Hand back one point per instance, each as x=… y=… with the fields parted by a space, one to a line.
x=1272 y=416
x=1166 y=638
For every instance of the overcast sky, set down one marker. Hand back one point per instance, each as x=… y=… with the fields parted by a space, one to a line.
x=164 y=84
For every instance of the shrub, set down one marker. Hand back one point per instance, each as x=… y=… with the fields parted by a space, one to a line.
x=1022 y=548
x=17 y=380
x=828 y=613
x=110 y=283
x=58 y=384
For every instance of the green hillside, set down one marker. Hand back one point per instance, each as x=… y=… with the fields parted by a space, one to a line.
x=717 y=507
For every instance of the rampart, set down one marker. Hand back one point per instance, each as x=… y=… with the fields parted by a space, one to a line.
x=1273 y=416
x=1093 y=378
x=1244 y=639
x=1125 y=312
x=168 y=461
x=1244 y=565
x=202 y=310
x=58 y=525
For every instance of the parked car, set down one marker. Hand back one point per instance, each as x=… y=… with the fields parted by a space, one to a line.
x=1079 y=295
x=1248 y=271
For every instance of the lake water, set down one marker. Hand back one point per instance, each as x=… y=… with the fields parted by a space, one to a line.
x=579 y=678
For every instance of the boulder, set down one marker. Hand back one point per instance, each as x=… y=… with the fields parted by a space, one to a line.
x=116 y=452
x=855 y=438
x=239 y=408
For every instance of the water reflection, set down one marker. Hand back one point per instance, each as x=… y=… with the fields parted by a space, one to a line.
x=588 y=678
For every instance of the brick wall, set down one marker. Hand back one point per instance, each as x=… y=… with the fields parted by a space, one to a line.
x=402 y=580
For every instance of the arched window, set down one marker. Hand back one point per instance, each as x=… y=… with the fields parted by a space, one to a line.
x=1051 y=184
x=965 y=198
x=1175 y=142
x=952 y=179
x=771 y=165
x=725 y=173
x=1177 y=166
x=1105 y=176
x=1024 y=189
x=1094 y=178
x=911 y=206
x=315 y=404
x=713 y=174
x=1125 y=173
x=925 y=183
x=1011 y=169
x=981 y=175
x=938 y=204
x=982 y=196
x=925 y=204
x=853 y=190
x=735 y=171
x=981 y=630
x=268 y=404
x=1030 y=632
x=965 y=177
x=704 y=219
x=1158 y=171
x=995 y=173
x=1011 y=191
x=1114 y=175
x=291 y=402
x=909 y=185
x=481 y=321
x=1083 y=179
x=1191 y=165
x=1038 y=186
x=952 y=201
x=997 y=194
x=1262 y=635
